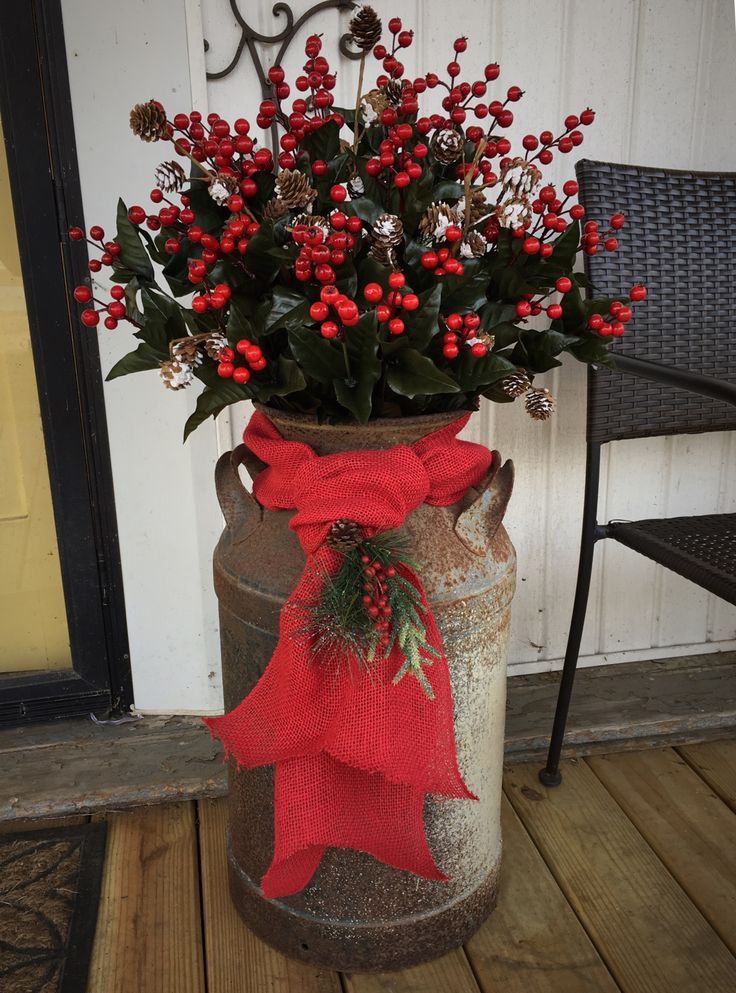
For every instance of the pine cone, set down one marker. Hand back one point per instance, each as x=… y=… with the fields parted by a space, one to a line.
x=365 y=29
x=447 y=145
x=372 y=106
x=344 y=535
x=473 y=246
x=478 y=206
x=214 y=344
x=312 y=221
x=393 y=93
x=293 y=188
x=516 y=384
x=389 y=229
x=170 y=177
x=186 y=351
x=274 y=209
x=176 y=374
x=384 y=254
x=540 y=404
x=148 y=121
x=222 y=187
x=436 y=219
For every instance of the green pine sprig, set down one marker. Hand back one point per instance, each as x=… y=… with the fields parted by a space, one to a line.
x=343 y=626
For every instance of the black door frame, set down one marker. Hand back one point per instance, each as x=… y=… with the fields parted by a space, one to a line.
x=35 y=103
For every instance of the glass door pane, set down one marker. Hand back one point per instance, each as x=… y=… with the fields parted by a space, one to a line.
x=33 y=626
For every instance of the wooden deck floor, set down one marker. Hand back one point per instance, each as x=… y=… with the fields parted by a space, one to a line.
x=623 y=879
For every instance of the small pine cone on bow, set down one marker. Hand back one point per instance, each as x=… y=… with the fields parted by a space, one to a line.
x=176 y=375
x=170 y=177
x=214 y=344
x=447 y=145
x=365 y=29
x=436 y=219
x=148 y=121
x=222 y=187
x=540 y=404
x=344 y=535
x=293 y=188
x=274 y=209
x=516 y=384
x=389 y=229
x=187 y=351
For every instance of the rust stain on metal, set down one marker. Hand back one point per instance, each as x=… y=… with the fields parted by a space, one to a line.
x=358 y=914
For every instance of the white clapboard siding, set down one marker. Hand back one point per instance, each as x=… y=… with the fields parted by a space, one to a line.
x=658 y=73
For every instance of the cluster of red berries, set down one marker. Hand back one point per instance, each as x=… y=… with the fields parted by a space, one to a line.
x=345 y=309
x=612 y=325
x=252 y=357
x=388 y=309
x=376 y=596
x=442 y=263
x=570 y=138
x=590 y=241
x=109 y=249
x=403 y=165
x=319 y=253
x=115 y=308
x=399 y=39
x=531 y=306
x=214 y=299
x=462 y=330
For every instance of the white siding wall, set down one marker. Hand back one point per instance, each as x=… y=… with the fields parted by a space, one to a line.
x=659 y=74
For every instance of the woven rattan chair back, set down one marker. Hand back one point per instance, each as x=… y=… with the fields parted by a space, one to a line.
x=679 y=241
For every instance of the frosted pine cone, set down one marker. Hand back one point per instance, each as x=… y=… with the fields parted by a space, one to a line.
x=447 y=145
x=478 y=206
x=170 y=177
x=222 y=188
x=148 y=121
x=372 y=106
x=186 y=351
x=436 y=219
x=384 y=254
x=393 y=92
x=516 y=384
x=312 y=221
x=293 y=188
x=344 y=535
x=176 y=375
x=540 y=404
x=389 y=229
x=214 y=344
x=474 y=246
x=274 y=209
x=365 y=29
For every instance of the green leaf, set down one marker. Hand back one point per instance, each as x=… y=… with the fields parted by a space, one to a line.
x=323 y=143
x=494 y=313
x=418 y=198
x=538 y=349
x=263 y=256
x=207 y=214
x=368 y=210
x=212 y=400
x=565 y=248
x=133 y=254
x=291 y=378
x=411 y=374
x=318 y=358
x=592 y=348
x=142 y=359
x=422 y=324
x=505 y=334
x=131 y=300
x=288 y=309
x=475 y=374
x=362 y=345
x=468 y=292
x=448 y=190
x=163 y=320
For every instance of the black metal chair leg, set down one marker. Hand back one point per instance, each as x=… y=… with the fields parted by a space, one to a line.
x=550 y=775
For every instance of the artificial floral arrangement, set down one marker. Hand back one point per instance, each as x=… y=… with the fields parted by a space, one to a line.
x=386 y=264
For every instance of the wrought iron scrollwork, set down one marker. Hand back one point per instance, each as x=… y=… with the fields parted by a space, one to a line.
x=249 y=36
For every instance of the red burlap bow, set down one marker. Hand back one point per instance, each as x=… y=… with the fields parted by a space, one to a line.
x=355 y=754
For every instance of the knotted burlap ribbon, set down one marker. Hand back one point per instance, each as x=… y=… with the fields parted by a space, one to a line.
x=354 y=754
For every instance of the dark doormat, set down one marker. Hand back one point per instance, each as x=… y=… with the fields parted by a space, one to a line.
x=49 y=892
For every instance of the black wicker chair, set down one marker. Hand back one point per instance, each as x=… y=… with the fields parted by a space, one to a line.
x=675 y=368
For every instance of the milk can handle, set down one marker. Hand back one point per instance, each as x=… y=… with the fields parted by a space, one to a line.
x=239 y=506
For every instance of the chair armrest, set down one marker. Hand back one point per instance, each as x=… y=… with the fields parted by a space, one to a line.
x=694 y=382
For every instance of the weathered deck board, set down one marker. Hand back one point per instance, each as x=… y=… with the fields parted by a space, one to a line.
x=686 y=824
x=533 y=941
x=238 y=961
x=643 y=924
x=149 y=934
x=715 y=762
x=450 y=974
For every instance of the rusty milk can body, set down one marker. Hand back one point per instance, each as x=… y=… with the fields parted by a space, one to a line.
x=358 y=914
